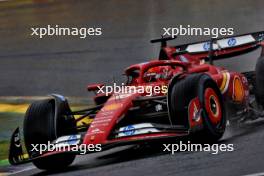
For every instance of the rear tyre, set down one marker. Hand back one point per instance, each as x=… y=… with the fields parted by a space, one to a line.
x=40 y=126
x=260 y=81
x=183 y=91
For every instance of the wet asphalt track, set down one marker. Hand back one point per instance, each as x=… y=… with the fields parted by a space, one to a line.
x=151 y=160
x=30 y=66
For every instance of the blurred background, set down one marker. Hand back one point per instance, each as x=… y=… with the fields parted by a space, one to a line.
x=30 y=66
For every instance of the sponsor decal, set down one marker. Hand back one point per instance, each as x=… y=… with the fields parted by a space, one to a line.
x=101 y=120
x=231 y=42
x=129 y=130
x=72 y=139
x=111 y=107
x=135 y=129
x=96 y=131
x=206 y=46
x=220 y=44
x=120 y=96
x=200 y=47
x=235 y=41
x=103 y=124
x=238 y=90
x=194 y=110
x=106 y=113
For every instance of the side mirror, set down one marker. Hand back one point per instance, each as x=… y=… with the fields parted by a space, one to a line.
x=94 y=87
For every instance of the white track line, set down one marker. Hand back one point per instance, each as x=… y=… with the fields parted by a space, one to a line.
x=19 y=171
x=255 y=174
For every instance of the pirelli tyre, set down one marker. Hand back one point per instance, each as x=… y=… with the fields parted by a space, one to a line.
x=40 y=126
x=182 y=91
x=260 y=81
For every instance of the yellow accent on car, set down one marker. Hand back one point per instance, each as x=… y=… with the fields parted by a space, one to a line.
x=111 y=107
x=222 y=87
x=86 y=120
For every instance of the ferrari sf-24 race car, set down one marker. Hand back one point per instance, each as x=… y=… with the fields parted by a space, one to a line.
x=195 y=104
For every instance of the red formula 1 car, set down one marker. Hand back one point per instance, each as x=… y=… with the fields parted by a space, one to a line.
x=181 y=94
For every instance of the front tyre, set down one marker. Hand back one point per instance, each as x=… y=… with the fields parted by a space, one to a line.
x=40 y=126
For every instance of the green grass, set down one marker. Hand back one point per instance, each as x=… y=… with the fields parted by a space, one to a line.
x=8 y=122
x=4 y=146
x=4 y=162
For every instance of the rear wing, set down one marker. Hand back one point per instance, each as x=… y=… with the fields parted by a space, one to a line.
x=223 y=47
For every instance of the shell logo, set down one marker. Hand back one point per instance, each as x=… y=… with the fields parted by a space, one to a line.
x=238 y=90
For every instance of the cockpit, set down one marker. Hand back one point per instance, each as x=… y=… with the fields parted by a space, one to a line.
x=153 y=71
